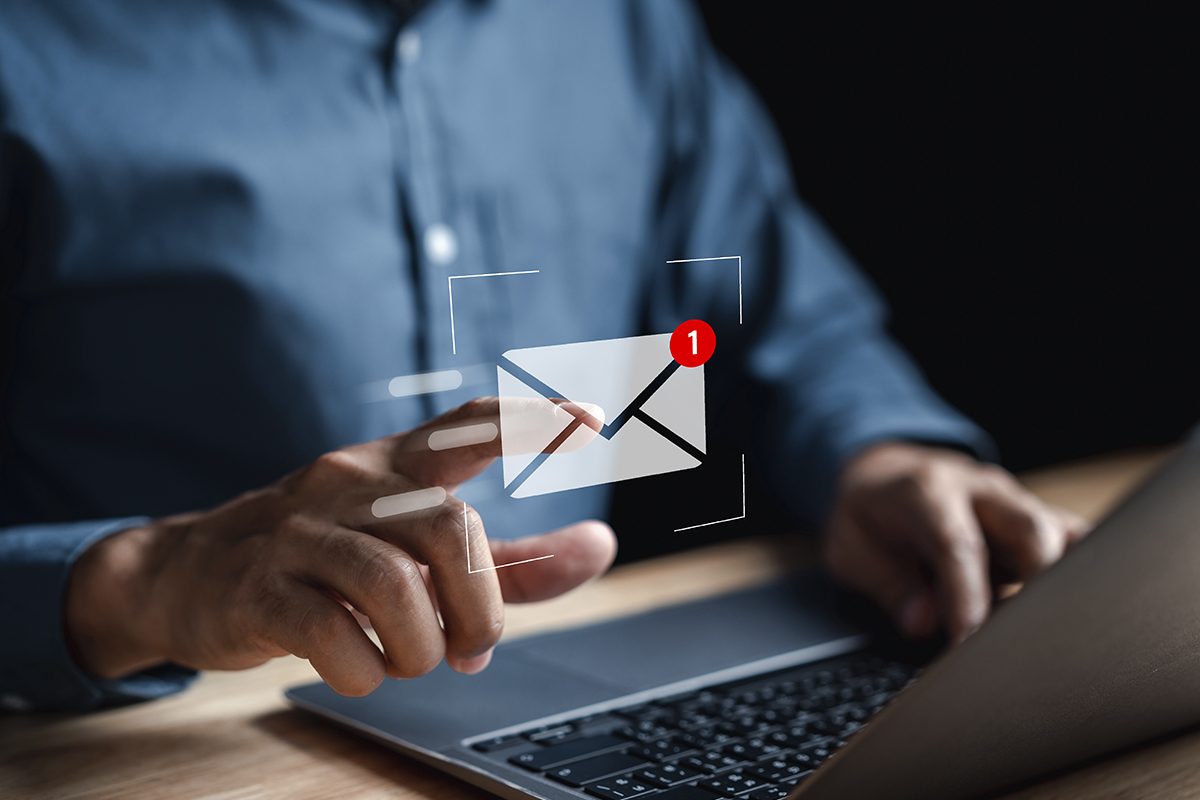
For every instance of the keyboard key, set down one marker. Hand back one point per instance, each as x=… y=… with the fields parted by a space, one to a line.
x=667 y=774
x=802 y=760
x=581 y=772
x=496 y=743
x=800 y=734
x=779 y=739
x=557 y=732
x=684 y=793
x=798 y=778
x=743 y=751
x=703 y=737
x=769 y=793
x=742 y=724
x=661 y=749
x=644 y=731
x=710 y=762
x=732 y=784
x=810 y=757
x=778 y=769
x=556 y=754
x=765 y=746
x=618 y=788
x=653 y=714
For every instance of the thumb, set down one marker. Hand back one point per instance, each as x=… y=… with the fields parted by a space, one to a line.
x=580 y=552
x=1076 y=526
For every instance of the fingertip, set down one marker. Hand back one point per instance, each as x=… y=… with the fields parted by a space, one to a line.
x=599 y=542
x=355 y=682
x=590 y=414
x=966 y=626
x=561 y=561
x=1077 y=526
x=584 y=420
x=917 y=617
x=471 y=666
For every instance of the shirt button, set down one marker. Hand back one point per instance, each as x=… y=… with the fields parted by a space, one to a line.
x=441 y=245
x=409 y=47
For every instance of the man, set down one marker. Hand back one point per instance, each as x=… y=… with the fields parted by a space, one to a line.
x=227 y=221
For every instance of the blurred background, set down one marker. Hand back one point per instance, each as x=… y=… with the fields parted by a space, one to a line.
x=1022 y=185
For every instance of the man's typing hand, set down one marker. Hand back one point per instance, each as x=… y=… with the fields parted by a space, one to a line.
x=277 y=570
x=925 y=532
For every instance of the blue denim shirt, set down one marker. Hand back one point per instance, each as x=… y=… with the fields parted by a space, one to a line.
x=231 y=222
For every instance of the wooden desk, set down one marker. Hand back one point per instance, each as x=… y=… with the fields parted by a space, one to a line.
x=231 y=737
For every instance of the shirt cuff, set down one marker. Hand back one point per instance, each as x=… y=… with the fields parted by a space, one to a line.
x=36 y=667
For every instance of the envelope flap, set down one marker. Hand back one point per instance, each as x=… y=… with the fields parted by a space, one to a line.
x=674 y=405
x=610 y=373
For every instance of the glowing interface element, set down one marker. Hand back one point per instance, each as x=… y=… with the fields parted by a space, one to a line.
x=462 y=436
x=738 y=259
x=471 y=570
x=425 y=383
x=693 y=343
x=450 y=290
x=727 y=519
x=406 y=502
x=658 y=425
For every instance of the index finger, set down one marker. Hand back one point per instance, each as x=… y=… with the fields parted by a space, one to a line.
x=454 y=447
x=959 y=557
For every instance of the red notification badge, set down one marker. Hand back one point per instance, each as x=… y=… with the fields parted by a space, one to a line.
x=693 y=343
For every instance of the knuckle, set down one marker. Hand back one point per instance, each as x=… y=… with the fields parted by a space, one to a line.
x=920 y=482
x=336 y=466
x=1024 y=526
x=477 y=406
x=321 y=629
x=450 y=527
x=484 y=630
x=292 y=524
x=964 y=548
x=998 y=474
x=392 y=575
x=944 y=538
x=473 y=521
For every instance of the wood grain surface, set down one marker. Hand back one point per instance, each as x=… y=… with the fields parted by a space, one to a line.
x=232 y=737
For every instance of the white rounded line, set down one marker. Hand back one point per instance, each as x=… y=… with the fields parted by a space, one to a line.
x=463 y=436
x=467 y=536
x=425 y=383
x=407 y=502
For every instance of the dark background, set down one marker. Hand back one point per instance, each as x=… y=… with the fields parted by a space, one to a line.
x=1021 y=184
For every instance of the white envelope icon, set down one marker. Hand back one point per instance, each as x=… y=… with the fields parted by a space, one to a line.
x=653 y=407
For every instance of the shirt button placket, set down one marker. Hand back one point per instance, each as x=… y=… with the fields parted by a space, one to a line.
x=438 y=244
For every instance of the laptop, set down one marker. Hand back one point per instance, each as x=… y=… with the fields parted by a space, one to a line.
x=784 y=691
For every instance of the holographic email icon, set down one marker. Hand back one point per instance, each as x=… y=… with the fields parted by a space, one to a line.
x=653 y=414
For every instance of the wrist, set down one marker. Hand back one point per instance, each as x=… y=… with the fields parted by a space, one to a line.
x=105 y=615
x=899 y=455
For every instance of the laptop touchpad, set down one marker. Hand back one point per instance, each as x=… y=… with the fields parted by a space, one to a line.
x=680 y=642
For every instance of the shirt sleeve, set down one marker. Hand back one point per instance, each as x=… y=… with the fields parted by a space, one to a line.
x=36 y=668
x=794 y=316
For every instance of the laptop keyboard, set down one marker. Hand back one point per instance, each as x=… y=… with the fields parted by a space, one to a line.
x=756 y=738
